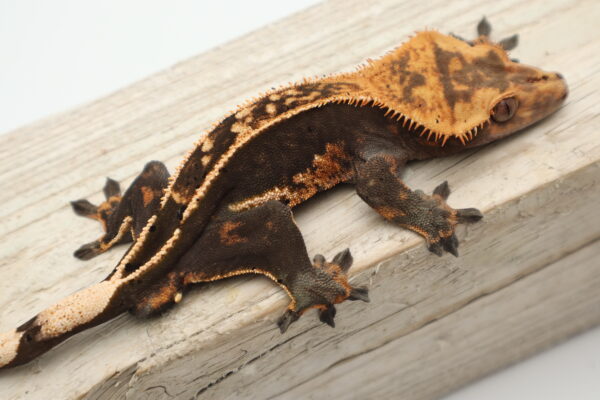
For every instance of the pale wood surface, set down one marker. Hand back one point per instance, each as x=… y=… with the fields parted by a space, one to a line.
x=528 y=275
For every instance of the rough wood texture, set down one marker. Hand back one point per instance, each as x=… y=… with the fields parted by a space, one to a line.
x=528 y=275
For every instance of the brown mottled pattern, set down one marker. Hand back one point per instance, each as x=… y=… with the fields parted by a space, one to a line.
x=326 y=170
x=462 y=83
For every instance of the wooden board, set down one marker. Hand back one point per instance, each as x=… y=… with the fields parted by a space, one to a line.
x=528 y=275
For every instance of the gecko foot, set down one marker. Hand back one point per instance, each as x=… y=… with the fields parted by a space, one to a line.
x=112 y=193
x=105 y=213
x=436 y=220
x=325 y=285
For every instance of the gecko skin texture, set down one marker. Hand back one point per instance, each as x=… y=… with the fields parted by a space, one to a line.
x=227 y=210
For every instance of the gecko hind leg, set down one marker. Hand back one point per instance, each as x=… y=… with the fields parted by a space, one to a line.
x=262 y=240
x=123 y=216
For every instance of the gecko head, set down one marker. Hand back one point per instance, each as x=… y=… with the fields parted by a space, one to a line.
x=465 y=93
x=531 y=94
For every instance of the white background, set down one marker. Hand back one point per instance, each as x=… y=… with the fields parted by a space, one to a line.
x=55 y=55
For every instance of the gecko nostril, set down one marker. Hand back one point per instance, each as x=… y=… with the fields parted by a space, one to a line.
x=559 y=76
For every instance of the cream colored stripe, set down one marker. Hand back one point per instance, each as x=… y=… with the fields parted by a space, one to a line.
x=9 y=343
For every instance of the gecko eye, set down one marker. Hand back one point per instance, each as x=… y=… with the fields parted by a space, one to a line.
x=505 y=109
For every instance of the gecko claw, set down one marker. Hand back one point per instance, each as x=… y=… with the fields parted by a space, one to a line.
x=468 y=215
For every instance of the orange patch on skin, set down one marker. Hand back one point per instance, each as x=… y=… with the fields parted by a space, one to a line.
x=227 y=237
x=164 y=295
x=105 y=209
x=109 y=204
x=339 y=277
x=276 y=193
x=420 y=232
x=328 y=170
x=147 y=195
x=389 y=212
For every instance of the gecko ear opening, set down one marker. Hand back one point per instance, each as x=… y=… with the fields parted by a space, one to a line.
x=505 y=109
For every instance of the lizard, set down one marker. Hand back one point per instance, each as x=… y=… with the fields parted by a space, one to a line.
x=227 y=210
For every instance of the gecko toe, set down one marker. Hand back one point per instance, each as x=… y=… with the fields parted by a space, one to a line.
x=510 y=42
x=111 y=188
x=287 y=319
x=450 y=244
x=442 y=190
x=88 y=250
x=468 y=215
x=319 y=260
x=437 y=249
x=484 y=28
x=327 y=315
x=84 y=208
x=359 y=293
x=343 y=259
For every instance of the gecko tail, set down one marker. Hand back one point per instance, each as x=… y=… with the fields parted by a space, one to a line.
x=19 y=347
x=75 y=313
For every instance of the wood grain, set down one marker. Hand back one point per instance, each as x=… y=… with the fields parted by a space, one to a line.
x=528 y=275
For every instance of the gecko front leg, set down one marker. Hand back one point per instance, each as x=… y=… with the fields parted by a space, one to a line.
x=378 y=183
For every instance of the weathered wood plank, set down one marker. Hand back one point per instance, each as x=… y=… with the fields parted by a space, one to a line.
x=433 y=323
